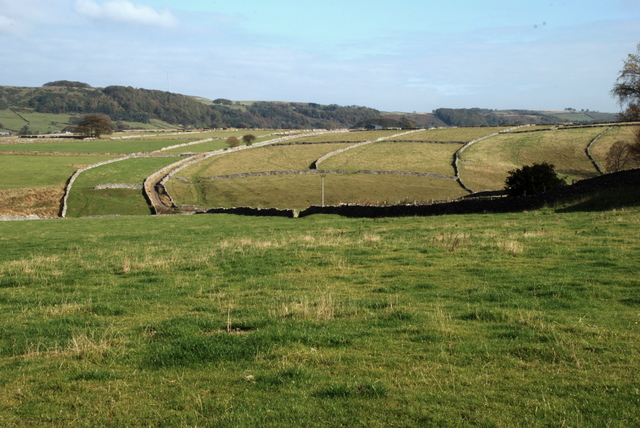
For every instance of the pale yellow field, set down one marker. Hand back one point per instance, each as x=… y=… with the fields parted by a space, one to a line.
x=485 y=165
x=301 y=191
x=383 y=156
x=269 y=158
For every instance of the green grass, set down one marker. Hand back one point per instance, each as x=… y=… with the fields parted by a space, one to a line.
x=44 y=123
x=210 y=146
x=302 y=191
x=98 y=146
x=483 y=320
x=23 y=171
x=85 y=201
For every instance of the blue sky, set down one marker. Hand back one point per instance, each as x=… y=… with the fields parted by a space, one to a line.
x=405 y=55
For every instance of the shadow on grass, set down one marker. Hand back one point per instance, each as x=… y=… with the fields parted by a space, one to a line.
x=605 y=200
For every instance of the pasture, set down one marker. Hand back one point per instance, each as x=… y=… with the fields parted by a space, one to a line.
x=504 y=320
x=524 y=319
x=482 y=166
x=85 y=200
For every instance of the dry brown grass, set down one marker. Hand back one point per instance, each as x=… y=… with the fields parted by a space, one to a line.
x=40 y=201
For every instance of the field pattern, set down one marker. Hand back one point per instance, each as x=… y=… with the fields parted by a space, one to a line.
x=482 y=166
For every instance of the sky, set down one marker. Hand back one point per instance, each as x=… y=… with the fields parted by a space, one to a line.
x=405 y=55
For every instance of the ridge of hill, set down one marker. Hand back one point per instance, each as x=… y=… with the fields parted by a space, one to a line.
x=63 y=101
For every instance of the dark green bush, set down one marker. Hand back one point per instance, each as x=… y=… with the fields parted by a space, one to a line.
x=533 y=179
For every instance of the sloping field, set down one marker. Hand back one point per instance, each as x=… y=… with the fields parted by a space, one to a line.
x=453 y=134
x=601 y=147
x=301 y=191
x=217 y=144
x=383 y=156
x=354 y=136
x=33 y=185
x=84 y=200
x=269 y=158
x=484 y=165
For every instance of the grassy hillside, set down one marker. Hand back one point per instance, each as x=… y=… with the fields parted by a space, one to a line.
x=485 y=165
x=216 y=320
x=482 y=166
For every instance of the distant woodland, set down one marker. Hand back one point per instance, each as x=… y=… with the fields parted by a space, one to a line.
x=127 y=104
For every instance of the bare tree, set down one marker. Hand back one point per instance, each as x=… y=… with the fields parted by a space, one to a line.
x=618 y=157
x=627 y=87
x=233 y=142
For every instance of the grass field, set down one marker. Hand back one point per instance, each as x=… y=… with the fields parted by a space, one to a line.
x=44 y=123
x=485 y=164
x=269 y=158
x=302 y=191
x=453 y=134
x=517 y=320
x=85 y=201
x=98 y=146
x=24 y=171
x=383 y=156
x=601 y=147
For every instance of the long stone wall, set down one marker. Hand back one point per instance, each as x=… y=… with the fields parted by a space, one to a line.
x=468 y=205
x=588 y=150
x=456 y=156
x=321 y=171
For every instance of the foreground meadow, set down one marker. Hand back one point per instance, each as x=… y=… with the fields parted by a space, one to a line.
x=218 y=320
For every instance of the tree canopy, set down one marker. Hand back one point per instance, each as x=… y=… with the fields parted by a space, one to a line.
x=94 y=125
x=627 y=87
x=533 y=179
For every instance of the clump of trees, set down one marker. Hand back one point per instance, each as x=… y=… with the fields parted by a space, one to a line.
x=67 y=84
x=94 y=125
x=533 y=179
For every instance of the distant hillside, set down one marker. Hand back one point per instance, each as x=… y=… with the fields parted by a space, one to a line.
x=129 y=104
x=70 y=99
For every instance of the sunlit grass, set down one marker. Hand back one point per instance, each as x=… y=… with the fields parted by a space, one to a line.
x=301 y=191
x=213 y=320
x=383 y=156
x=484 y=165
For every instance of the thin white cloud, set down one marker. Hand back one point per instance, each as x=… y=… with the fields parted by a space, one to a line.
x=125 y=11
x=10 y=26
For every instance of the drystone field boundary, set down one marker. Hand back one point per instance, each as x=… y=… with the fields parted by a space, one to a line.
x=456 y=156
x=159 y=178
x=588 y=150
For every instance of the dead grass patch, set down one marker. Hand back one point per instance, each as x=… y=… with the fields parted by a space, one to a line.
x=40 y=201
